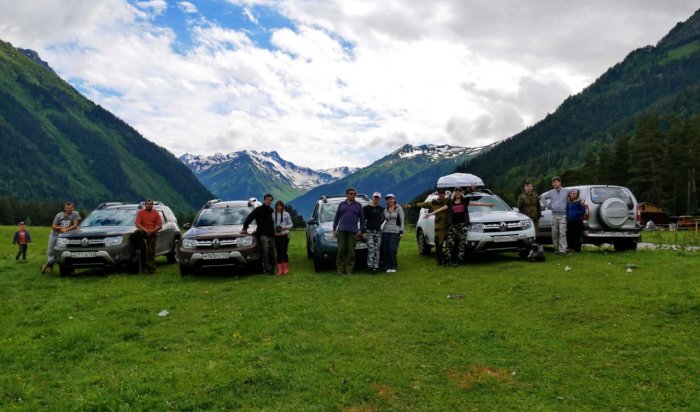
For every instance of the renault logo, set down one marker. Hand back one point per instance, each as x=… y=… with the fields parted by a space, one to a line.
x=503 y=226
x=215 y=243
x=84 y=242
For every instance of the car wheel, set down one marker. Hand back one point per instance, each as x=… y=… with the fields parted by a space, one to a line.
x=65 y=270
x=614 y=212
x=318 y=263
x=624 y=244
x=185 y=270
x=136 y=262
x=523 y=253
x=423 y=245
x=172 y=255
x=309 y=253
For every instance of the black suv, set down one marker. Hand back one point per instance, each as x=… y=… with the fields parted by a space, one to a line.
x=321 y=245
x=103 y=239
x=214 y=239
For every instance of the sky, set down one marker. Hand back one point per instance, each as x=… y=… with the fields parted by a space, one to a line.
x=334 y=82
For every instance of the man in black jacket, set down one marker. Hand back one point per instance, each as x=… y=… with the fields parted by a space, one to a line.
x=265 y=232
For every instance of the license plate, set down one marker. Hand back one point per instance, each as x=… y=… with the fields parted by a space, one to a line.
x=82 y=254
x=361 y=245
x=221 y=255
x=509 y=238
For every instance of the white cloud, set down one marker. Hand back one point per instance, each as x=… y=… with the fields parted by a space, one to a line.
x=187 y=7
x=349 y=81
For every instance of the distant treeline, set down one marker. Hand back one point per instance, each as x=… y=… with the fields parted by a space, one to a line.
x=659 y=161
x=41 y=213
x=33 y=213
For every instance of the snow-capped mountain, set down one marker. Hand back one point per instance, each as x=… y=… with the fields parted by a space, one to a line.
x=406 y=172
x=239 y=175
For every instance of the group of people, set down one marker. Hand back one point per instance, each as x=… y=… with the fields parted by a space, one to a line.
x=381 y=226
x=568 y=210
x=273 y=226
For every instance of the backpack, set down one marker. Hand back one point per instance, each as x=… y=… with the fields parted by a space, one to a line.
x=536 y=253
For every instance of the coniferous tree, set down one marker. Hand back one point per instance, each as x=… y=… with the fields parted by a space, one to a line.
x=620 y=162
x=647 y=156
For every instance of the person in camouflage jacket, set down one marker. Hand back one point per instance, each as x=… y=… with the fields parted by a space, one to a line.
x=529 y=205
x=440 y=221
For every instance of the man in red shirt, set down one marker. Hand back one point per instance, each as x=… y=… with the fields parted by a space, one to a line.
x=148 y=222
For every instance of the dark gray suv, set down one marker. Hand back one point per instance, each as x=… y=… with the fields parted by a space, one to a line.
x=613 y=216
x=103 y=239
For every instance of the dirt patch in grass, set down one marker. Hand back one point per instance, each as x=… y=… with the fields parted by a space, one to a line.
x=479 y=374
x=384 y=392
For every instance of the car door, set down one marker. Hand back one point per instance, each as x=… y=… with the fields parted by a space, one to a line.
x=545 y=225
x=165 y=235
x=311 y=228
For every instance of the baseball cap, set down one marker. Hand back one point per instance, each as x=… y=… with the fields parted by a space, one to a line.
x=457 y=189
x=441 y=190
x=377 y=194
x=390 y=195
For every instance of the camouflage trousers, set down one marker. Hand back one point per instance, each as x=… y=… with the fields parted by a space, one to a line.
x=456 y=240
x=374 y=243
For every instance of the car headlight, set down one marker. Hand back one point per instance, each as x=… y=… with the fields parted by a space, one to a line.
x=189 y=243
x=61 y=242
x=526 y=224
x=476 y=227
x=328 y=237
x=245 y=241
x=114 y=240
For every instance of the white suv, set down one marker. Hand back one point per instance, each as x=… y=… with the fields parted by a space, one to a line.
x=494 y=228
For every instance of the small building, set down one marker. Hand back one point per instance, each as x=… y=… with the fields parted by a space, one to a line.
x=654 y=213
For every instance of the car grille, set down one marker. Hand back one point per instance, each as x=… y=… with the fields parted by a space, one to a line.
x=90 y=242
x=217 y=243
x=502 y=226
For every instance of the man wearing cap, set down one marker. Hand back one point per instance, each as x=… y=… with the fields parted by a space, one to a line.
x=374 y=217
x=349 y=222
x=440 y=221
x=558 y=198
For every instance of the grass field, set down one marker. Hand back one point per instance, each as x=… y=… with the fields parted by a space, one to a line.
x=525 y=336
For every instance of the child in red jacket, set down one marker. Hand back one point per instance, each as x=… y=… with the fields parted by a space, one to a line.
x=22 y=239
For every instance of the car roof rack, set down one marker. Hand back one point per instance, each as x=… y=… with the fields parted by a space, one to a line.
x=212 y=202
x=252 y=201
x=155 y=203
x=325 y=198
x=104 y=205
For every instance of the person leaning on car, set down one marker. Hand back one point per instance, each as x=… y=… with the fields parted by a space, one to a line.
x=558 y=199
x=440 y=220
x=148 y=223
x=349 y=222
x=265 y=232
x=529 y=205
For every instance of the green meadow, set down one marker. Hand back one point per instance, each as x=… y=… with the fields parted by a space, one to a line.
x=576 y=332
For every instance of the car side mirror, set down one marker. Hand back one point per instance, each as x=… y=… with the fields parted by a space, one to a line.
x=187 y=226
x=516 y=210
x=312 y=222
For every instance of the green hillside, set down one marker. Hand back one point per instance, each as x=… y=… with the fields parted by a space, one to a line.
x=664 y=80
x=56 y=145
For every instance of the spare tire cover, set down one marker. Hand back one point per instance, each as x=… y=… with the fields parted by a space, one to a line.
x=614 y=212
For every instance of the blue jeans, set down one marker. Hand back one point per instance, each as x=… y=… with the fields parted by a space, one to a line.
x=390 y=247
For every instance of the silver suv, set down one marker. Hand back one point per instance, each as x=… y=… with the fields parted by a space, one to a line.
x=103 y=239
x=495 y=228
x=612 y=216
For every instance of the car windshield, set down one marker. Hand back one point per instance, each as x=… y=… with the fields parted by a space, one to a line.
x=601 y=194
x=327 y=213
x=498 y=204
x=110 y=217
x=222 y=216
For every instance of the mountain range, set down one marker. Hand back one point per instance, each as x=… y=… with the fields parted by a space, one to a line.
x=58 y=145
x=406 y=172
x=239 y=175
